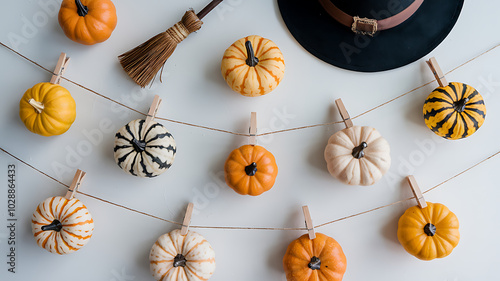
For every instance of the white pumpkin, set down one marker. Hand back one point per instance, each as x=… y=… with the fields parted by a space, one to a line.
x=358 y=155
x=62 y=226
x=176 y=257
x=144 y=152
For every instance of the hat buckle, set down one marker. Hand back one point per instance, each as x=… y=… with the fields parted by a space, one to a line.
x=364 y=26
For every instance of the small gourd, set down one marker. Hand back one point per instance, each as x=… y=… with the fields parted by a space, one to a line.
x=429 y=230
x=429 y=233
x=250 y=170
x=87 y=21
x=318 y=259
x=253 y=66
x=357 y=155
x=48 y=109
x=182 y=255
x=453 y=110
x=63 y=225
x=145 y=148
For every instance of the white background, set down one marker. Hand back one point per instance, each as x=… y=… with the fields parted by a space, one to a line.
x=194 y=91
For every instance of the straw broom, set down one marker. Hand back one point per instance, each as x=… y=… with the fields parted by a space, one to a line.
x=143 y=63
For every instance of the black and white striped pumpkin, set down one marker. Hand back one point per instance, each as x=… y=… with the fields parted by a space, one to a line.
x=144 y=152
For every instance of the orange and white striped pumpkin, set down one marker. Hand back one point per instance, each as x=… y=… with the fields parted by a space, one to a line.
x=176 y=257
x=253 y=73
x=62 y=226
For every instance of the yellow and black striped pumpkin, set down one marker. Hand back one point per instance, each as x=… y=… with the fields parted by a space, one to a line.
x=144 y=152
x=62 y=226
x=455 y=111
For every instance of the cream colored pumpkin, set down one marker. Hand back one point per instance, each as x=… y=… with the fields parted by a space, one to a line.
x=176 y=257
x=62 y=226
x=358 y=155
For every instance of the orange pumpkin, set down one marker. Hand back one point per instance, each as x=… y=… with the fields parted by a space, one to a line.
x=87 y=21
x=320 y=259
x=250 y=170
x=253 y=73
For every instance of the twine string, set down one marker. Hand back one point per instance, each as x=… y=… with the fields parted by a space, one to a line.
x=250 y=227
x=246 y=134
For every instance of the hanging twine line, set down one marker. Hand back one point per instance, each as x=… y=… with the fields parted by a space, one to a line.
x=246 y=134
x=249 y=227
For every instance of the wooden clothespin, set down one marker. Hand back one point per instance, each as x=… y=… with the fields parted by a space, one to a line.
x=343 y=113
x=253 y=129
x=60 y=68
x=438 y=73
x=152 y=111
x=416 y=191
x=187 y=219
x=77 y=181
x=309 y=223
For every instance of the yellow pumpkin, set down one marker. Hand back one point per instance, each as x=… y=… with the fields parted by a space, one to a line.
x=47 y=109
x=429 y=233
x=253 y=66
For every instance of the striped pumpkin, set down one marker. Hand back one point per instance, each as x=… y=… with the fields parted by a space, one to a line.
x=455 y=111
x=176 y=257
x=253 y=66
x=358 y=155
x=144 y=152
x=62 y=226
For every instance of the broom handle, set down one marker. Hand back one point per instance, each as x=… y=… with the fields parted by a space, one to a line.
x=208 y=8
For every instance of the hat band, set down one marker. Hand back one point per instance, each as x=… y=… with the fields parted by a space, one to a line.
x=367 y=26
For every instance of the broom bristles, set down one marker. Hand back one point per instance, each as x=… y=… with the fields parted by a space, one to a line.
x=143 y=62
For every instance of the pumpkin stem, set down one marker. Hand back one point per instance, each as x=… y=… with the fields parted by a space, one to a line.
x=81 y=9
x=315 y=263
x=39 y=107
x=252 y=60
x=251 y=169
x=180 y=260
x=460 y=105
x=54 y=225
x=430 y=229
x=358 y=152
x=139 y=145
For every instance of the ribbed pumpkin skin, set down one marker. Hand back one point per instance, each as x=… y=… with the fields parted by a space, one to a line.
x=253 y=81
x=200 y=256
x=416 y=242
x=264 y=178
x=77 y=225
x=57 y=116
x=95 y=27
x=364 y=171
x=300 y=252
x=444 y=120
x=159 y=153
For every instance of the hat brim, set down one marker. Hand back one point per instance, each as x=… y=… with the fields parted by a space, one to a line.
x=336 y=44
